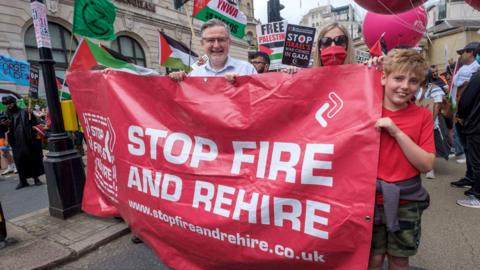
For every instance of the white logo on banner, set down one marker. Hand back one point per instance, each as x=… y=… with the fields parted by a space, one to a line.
x=337 y=104
x=101 y=141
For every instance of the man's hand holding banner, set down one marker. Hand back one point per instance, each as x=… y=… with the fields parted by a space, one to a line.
x=276 y=171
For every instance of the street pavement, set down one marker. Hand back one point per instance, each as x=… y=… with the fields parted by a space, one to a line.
x=23 y=201
x=450 y=233
x=120 y=254
x=450 y=238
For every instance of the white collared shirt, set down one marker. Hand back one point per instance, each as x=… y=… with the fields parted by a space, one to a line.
x=231 y=66
x=462 y=76
x=465 y=73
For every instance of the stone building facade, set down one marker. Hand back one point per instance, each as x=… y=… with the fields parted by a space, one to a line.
x=347 y=15
x=451 y=25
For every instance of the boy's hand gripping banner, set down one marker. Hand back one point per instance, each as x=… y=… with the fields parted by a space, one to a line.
x=276 y=171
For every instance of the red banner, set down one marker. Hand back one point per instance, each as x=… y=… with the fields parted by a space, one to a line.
x=273 y=172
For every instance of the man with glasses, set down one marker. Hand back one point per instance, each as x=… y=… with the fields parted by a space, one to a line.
x=469 y=66
x=261 y=62
x=216 y=43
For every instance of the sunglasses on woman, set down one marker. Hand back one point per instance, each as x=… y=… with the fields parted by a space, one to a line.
x=338 y=40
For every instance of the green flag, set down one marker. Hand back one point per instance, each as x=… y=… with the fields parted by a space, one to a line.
x=94 y=18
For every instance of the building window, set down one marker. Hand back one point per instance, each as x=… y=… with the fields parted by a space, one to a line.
x=129 y=48
x=442 y=10
x=179 y=5
x=63 y=47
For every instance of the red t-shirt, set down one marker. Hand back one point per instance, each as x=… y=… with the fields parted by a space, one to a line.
x=416 y=123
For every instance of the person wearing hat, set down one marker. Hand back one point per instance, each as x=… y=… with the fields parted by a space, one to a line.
x=459 y=83
x=468 y=115
x=470 y=66
x=27 y=149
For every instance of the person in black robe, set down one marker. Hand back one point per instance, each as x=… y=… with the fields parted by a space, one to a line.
x=27 y=148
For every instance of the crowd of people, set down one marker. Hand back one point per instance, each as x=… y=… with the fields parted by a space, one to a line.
x=416 y=99
x=447 y=96
x=24 y=134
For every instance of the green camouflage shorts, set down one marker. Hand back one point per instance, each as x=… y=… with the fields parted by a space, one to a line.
x=402 y=243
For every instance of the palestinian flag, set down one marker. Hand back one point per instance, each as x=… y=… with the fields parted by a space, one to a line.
x=63 y=91
x=91 y=56
x=274 y=51
x=174 y=54
x=224 y=10
x=116 y=54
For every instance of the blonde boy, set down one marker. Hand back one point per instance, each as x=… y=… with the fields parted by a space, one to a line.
x=406 y=149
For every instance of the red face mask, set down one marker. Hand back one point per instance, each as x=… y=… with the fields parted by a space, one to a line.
x=333 y=55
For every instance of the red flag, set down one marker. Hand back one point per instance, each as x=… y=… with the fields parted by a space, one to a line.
x=59 y=84
x=379 y=48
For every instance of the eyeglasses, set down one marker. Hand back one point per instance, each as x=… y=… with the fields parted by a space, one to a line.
x=257 y=62
x=220 y=40
x=339 y=41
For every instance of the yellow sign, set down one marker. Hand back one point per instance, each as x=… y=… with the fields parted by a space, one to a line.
x=69 y=115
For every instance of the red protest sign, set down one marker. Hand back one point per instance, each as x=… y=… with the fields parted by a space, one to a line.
x=274 y=172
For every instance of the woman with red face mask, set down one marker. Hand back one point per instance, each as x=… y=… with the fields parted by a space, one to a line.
x=334 y=46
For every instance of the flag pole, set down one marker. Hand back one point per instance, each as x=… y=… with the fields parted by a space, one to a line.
x=190 y=21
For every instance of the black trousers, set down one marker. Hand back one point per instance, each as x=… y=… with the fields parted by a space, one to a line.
x=473 y=156
x=463 y=141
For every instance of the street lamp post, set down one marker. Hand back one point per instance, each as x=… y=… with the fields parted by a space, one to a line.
x=63 y=165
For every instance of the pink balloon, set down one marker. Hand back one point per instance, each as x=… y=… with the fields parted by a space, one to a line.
x=390 y=6
x=474 y=3
x=404 y=29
